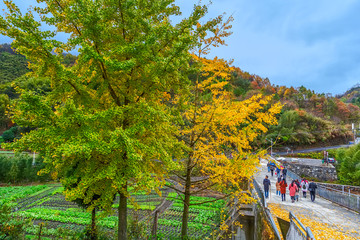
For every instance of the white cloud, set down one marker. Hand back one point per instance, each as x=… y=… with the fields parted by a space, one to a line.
x=298 y=42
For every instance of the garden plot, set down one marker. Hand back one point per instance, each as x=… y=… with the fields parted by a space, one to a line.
x=203 y=219
x=46 y=205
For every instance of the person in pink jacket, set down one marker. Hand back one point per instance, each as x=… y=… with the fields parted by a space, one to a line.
x=292 y=189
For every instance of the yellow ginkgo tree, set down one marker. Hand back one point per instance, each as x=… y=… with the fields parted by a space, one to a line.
x=217 y=130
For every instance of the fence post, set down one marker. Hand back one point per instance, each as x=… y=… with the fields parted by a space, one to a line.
x=155 y=226
x=357 y=202
x=343 y=187
x=233 y=219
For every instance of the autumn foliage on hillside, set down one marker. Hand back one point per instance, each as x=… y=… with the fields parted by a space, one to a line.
x=307 y=117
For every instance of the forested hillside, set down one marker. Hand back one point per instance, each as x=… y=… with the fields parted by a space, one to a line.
x=307 y=117
x=352 y=95
x=12 y=65
x=13 y=68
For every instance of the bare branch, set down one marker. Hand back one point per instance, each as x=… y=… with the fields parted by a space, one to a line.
x=210 y=200
x=202 y=189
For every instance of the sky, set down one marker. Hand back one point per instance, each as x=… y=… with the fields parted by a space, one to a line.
x=308 y=43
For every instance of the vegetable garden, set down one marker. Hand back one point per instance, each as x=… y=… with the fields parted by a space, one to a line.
x=45 y=205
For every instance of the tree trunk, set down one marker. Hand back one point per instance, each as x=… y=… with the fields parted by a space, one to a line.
x=122 y=210
x=185 y=217
x=93 y=225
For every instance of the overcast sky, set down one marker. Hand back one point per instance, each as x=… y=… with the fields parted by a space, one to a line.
x=293 y=43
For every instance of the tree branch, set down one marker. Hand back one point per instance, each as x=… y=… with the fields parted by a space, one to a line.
x=202 y=189
x=210 y=200
x=174 y=188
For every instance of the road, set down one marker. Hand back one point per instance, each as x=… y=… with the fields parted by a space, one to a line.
x=326 y=219
x=306 y=161
x=312 y=150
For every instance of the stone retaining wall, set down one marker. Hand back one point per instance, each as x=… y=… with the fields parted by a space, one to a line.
x=321 y=173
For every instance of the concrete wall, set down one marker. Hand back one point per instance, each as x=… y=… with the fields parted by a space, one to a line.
x=322 y=173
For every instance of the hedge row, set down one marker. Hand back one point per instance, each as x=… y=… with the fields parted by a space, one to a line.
x=19 y=168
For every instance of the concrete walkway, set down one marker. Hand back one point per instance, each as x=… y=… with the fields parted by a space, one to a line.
x=322 y=211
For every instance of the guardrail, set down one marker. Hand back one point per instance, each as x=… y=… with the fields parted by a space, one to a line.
x=341 y=187
x=348 y=200
x=297 y=230
x=260 y=193
x=261 y=196
x=345 y=199
x=293 y=175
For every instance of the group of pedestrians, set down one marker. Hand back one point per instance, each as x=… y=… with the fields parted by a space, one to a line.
x=279 y=171
x=294 y=188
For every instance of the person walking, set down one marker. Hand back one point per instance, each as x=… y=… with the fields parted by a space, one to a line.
x=298 y=190
x=284 y=172
x=304 y=186
x=272 y=170
x=278 y=186
x=267 y=184
x=278 y=172
x=312 y=187
x=268 y=166
x=292 y=190
x=283 y=186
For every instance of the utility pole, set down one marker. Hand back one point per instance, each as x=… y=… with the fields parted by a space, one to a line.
x=33 y=162
x=354 y=131
x=271 y=141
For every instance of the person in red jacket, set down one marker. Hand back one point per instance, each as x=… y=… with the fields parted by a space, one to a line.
x=283 y=186
x=292 y=190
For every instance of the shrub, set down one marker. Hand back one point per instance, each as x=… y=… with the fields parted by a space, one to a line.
x=313 y=155
x=11 y=227
x=8 y=136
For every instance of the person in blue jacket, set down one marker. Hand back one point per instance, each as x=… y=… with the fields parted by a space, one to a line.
x=267 y=184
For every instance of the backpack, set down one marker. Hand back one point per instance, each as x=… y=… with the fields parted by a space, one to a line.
x=304 y=186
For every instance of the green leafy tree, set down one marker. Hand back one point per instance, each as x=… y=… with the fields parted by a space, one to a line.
x=349 y=161
x=105 y=118
x=14 y=171
x=4 y=103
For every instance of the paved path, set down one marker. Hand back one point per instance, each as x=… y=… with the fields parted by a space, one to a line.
x=322 y=211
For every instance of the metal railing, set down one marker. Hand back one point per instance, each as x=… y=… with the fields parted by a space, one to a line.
x=348 y=200
x=345 y=199
x=300 y=230
x=260 y=194
x=343 y=188
x=293 y=175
